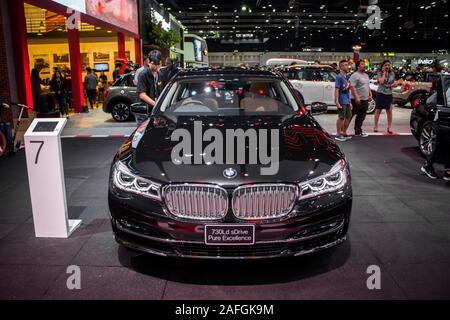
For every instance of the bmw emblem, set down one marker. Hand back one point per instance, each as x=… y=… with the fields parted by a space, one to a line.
x=230 y=173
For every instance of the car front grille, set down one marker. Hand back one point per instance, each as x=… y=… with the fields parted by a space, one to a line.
x=196 y=201
x=209 y=202
x=264 y=201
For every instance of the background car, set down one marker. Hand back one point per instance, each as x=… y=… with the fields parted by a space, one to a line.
x=166 y=207
x=412 y=89
x=316 y=83
x=119 y=98
x=430 y=119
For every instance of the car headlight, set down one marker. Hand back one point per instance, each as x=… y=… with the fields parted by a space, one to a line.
x=125 y=180
x=331 y=181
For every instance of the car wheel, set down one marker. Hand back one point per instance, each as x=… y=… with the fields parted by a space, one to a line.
x=121 y=111
x=371 y=107
x=427 y=138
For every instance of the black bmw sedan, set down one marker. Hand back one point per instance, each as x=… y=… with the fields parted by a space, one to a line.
x=229 y=164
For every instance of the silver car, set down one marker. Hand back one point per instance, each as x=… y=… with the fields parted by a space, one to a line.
x=120 y=97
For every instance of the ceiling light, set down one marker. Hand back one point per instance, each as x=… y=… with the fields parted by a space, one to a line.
x=244 y=8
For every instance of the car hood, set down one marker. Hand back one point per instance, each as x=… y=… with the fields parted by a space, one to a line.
x=305 y=150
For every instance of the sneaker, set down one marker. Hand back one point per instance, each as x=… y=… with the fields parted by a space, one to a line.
x=347 y=137
x=362 y=135
x=340 y=138
x=429 y=172
x=446 y=176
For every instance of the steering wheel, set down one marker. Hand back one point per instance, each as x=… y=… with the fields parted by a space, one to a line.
x=191 y=101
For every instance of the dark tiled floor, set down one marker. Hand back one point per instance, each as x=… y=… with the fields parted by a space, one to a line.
x=400 y=222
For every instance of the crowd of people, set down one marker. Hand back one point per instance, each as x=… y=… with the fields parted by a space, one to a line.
x=353 y=95
x=95 y=86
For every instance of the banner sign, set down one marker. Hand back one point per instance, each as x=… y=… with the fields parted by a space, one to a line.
x=121 y=13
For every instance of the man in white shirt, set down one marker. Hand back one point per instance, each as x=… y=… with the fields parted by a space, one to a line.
x=138 y=71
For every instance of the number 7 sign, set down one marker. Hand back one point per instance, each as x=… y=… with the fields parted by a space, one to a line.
x=46 y=179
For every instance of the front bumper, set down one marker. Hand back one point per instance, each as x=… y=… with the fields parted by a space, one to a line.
x=313 y=226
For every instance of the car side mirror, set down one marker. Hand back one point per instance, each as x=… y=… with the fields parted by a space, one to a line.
x=139 y=109
x=318 y=108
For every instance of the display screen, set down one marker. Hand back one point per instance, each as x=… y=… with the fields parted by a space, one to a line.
x=198 y=50
x=101 y=67
x=121 y=13
x=45 y=126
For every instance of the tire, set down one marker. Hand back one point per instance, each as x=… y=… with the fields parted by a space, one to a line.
x=371 y=107
x=121 y=111
x=427 y=138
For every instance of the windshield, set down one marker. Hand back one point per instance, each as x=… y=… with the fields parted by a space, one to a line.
x=231 y=95
x=312 y=74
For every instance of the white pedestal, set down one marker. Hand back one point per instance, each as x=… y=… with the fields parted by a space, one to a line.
x=46 y=179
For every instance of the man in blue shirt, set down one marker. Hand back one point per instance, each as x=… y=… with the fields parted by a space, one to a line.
x=343 y=104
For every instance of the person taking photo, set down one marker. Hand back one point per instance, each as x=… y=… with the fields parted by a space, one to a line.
x=386 y=82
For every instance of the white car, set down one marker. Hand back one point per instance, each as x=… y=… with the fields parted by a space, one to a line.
x=316 y=83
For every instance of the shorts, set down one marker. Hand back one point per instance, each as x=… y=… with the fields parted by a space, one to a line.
x=345 y=112
x=383 y=101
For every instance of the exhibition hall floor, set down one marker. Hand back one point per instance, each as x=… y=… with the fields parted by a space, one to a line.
x=400 y=222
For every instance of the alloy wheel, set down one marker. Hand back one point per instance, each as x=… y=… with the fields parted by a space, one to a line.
x=371 y=107
x=121 y=112
x=428 y=139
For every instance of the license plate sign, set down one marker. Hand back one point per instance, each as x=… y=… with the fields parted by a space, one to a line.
x=230 y=234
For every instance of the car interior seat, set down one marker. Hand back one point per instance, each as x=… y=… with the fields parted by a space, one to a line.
x=258 y=99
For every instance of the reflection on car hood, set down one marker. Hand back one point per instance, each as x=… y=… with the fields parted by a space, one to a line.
x=306 y=150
